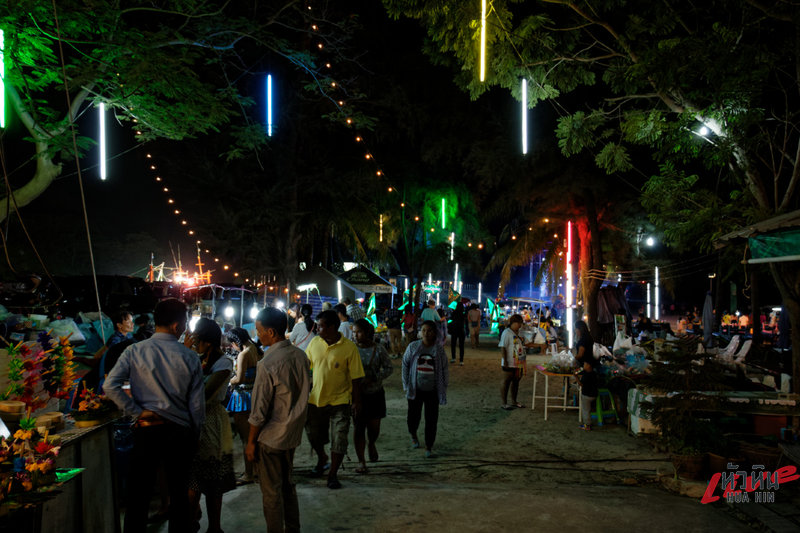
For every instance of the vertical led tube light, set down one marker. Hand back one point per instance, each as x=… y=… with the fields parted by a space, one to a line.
x=452 y=244
x=339 y=288
x=2 y=80
x=480 y=289
x=430 y=278
x=437 y=298
x=524 y=116
x=269 y=105
x=444 y=220
x=102 y=117
x=483 y=40
x=380 y=230
x=570 y=324
x=648 y=299
x=455 y=276
x=658 y=303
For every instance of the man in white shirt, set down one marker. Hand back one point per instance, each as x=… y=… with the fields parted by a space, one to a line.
x=344 y=326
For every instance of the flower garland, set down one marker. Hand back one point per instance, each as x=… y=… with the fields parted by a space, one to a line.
x=49 y=363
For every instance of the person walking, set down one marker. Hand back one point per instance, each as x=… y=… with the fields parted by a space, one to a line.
x=304 y=330
x=394 y=324
x=457 y=333
x=474 y=321
x=337 y=373
x=277 y=419
x=425 y=379
x=211 y=472
x=167 y=401
x=241 y=388
x=377 y=367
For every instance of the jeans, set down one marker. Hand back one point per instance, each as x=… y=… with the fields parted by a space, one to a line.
x=429 y=399
x=175 y=445
x=279 y=497
x=458 y=335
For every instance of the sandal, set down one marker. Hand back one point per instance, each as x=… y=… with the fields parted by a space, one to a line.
x=361 y=470
x=585 y=427
x=318 y=470
x=519 y=405
x=507 y=407
x=334 y=484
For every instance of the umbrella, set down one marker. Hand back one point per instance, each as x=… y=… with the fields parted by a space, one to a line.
x=708 y=320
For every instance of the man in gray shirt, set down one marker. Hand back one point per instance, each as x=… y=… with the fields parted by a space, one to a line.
x=167 y=401
x=277 y=419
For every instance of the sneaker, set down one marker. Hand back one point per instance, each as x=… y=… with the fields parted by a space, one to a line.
x=460 y=364
x=414 y=443
x=428 y=454
x=585 y=427
x=452 y=361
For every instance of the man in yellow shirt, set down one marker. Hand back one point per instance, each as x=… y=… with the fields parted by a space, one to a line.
x=337 y=371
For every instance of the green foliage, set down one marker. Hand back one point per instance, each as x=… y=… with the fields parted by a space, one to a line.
x=613 y=158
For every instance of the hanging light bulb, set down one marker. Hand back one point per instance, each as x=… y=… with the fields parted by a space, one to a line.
x=229 y=311
x=254 y=312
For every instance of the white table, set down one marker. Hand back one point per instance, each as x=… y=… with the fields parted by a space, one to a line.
x=540 y=370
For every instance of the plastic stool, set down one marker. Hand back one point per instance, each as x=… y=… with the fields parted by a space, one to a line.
x=605 y=407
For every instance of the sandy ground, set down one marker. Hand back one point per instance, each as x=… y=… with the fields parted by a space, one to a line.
x=494 y=470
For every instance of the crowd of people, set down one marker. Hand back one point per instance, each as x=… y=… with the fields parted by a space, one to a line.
x=315 y=376
x=190 y=393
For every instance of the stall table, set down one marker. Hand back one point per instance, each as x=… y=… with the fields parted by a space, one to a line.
x=540 y=370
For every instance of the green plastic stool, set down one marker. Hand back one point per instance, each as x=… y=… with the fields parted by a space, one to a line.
x=605 y=407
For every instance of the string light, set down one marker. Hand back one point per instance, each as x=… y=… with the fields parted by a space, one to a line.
x=170 y=201
x=379 y=173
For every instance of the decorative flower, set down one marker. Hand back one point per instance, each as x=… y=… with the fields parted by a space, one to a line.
x=23 y=435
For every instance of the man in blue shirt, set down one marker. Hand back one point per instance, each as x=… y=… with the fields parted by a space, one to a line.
x=167 y=401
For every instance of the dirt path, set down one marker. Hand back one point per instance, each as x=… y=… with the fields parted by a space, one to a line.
x=494 y=470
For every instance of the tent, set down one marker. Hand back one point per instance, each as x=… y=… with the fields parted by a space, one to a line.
x=367 y=281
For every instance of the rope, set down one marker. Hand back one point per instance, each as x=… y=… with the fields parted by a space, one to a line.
x=13 y=199
x=78 y=165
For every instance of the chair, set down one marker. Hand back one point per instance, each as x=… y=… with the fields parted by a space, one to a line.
x=605 y=407
x=730 y=349
x=743 y=351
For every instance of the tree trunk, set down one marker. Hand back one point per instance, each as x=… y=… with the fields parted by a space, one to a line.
x=46 y=173
x=591 y=262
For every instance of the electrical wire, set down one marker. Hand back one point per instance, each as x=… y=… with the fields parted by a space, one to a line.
x=78 y=165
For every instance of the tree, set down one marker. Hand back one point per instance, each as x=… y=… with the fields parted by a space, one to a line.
x=711 y=88
x=170 y=70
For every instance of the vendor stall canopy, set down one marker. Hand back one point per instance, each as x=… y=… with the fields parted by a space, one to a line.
x=781 y=245
x=367 y=281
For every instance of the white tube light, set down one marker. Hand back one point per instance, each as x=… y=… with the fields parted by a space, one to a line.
x=480 y=289
x=524 y=116
x=658 y=304
x=102 y=118
x=648 y=300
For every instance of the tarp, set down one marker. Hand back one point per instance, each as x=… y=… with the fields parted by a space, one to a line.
x=779 y=245
x=367 y=281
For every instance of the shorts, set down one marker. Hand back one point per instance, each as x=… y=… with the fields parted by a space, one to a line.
x=373 y=406
x=333 y=417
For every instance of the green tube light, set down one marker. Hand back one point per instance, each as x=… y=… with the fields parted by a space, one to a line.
x=2 y=81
